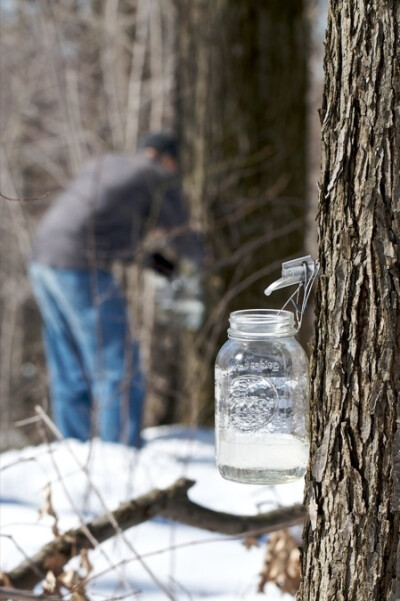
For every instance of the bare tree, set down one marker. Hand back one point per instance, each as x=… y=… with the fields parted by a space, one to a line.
x=352 y=538
x=82 y=78
x=242 y=81
x=101 y=73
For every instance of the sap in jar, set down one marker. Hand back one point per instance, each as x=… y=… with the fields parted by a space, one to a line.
x=261 y=399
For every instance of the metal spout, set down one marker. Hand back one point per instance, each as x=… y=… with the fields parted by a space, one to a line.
x=293 y=272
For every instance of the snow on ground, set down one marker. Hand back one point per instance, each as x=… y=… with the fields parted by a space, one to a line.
x=158 y=558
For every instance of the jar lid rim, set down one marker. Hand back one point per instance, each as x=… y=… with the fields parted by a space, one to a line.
x=263 y=315
x=259 y=323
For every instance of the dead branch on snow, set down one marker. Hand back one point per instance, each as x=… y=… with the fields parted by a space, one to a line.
x=172 y=503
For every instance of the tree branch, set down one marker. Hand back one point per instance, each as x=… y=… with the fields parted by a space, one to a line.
x=172 y=503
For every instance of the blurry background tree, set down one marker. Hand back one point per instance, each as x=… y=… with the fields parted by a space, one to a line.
x=83 y=77
x=242 y=77
x=89 y=76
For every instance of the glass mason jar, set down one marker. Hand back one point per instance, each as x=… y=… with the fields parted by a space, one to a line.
x=261 y=394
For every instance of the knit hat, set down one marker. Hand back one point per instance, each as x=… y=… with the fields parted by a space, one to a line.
x=163 y=142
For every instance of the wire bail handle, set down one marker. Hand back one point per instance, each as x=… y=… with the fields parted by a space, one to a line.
x=302 y=271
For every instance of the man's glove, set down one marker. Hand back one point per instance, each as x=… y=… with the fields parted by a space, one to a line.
x=160 y=264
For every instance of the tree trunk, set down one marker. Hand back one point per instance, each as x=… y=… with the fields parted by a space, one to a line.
x=352 y=537
x=242 y=119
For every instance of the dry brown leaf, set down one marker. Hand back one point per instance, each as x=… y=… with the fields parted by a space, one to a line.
x=55 y=529
x=50 y=584
x=47 y=507
x=55 y=563
x=4 y=580
x=69 y=579
x=282 y=563
x=250 y=542
x=72 y=581
x=85 y=562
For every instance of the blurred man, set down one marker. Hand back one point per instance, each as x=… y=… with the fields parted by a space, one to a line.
x=96 y=382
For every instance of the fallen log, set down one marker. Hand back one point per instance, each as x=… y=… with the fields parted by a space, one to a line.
x=172 y=503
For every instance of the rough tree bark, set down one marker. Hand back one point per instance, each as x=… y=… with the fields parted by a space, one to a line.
x=352 y=537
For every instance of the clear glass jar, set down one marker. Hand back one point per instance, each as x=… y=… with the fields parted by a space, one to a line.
x=261 y=394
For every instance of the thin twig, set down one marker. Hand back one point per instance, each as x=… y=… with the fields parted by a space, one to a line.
x=111 y=519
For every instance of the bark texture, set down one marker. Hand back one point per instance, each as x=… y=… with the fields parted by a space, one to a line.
x=352 y=537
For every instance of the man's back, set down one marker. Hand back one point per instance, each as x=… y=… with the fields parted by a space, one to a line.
x=103 y=213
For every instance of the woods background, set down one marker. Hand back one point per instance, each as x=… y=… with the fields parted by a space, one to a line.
x=240 y=83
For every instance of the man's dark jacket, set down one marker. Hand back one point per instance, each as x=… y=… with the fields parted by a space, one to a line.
x=105 y=213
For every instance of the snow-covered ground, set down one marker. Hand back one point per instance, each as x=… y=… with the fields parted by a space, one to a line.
x=156 y=556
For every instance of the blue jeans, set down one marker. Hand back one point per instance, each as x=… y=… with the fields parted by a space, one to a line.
x=96 y=383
